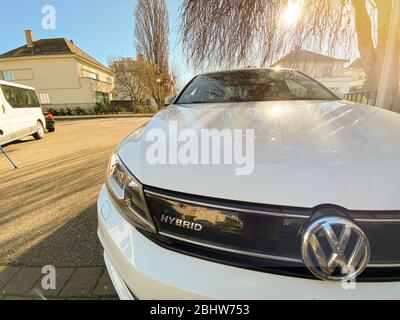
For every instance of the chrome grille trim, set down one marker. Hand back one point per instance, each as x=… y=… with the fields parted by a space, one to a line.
x=245 y=253
x=258 y=255
x=273 y=214
x=384 y=265
x=215 y=206
x=378 y=220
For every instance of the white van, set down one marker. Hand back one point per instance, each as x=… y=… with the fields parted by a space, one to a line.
x=20 y=113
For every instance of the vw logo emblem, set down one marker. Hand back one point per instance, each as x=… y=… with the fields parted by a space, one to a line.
x=335 y=248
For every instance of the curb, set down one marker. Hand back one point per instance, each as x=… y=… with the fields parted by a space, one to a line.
x=94 y=117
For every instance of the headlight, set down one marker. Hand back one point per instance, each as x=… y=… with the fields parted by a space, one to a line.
x=128 y=194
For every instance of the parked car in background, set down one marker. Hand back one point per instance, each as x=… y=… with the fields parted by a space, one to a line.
x=20 y=113
x=320 y=209
x=50 y=122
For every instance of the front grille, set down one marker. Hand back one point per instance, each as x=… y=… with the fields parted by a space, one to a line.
x=261 y=237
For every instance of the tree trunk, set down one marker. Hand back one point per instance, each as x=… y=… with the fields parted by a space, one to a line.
x=372 y=58
x=390 y=77
x=384 y=17
x=365 y=41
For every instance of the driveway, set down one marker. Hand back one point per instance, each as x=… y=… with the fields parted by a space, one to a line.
x=48 y=210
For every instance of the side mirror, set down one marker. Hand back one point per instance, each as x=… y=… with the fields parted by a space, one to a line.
x=169 y=100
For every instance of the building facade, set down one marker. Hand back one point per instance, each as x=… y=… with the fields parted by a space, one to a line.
x=327 y=70
x=63 y=75
x=357 y=74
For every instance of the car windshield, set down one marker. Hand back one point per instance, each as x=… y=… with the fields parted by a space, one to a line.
x=252 y=86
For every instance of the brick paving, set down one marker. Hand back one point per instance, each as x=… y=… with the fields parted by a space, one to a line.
x=25 y=283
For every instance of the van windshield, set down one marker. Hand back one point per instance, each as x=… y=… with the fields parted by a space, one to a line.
x=252 y=86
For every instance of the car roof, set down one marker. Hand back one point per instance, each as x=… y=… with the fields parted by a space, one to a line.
x=245 y=69
x=17 y=85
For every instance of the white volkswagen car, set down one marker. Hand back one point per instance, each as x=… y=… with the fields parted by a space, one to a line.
x=255 y=184
x=20 y=113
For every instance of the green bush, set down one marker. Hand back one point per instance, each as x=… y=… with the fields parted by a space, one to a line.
x=100 y=109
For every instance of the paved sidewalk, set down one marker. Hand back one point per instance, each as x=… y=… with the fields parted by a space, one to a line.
x=48 y=212
x=25 y=283
x=104 y=116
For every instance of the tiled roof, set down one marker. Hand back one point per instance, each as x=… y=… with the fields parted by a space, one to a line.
x=300 y=55
x=50 y=47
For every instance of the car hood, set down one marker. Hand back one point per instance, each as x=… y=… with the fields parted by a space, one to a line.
x=306 y=153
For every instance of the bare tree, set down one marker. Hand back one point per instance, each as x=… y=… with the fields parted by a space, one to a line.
x=235 y=32
x=159 y=85
x=151 y=32
x=152 y=44
x=129 y=82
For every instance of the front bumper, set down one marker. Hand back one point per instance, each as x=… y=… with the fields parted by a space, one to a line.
x=151 y=272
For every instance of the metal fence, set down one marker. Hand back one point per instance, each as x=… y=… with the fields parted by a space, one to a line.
x=366 y=97
x=369 y=97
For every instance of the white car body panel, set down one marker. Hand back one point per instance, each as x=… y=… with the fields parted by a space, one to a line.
x=17 y=123
x=307 y=153
x=152 y=272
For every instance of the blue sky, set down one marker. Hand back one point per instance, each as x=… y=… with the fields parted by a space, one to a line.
x=102 y=28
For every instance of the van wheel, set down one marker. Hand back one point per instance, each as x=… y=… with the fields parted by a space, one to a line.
x=39 y=131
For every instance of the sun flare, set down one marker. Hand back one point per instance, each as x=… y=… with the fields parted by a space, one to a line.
x=292 y=13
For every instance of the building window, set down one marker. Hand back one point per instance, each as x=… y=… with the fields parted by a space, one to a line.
x=90 y=74
x=7 y=75
x=44 y=98
x=102 y=97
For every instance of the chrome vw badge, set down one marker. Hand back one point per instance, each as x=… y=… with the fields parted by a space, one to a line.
x=335 y=248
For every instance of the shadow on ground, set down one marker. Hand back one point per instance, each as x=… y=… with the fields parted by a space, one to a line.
x=52 y=213
x=48 y=210
x=74 y=244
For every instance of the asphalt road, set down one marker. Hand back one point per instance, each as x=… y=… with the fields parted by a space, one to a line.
x=48 y=205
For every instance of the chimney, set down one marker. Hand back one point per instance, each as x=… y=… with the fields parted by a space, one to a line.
x=29 y=38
